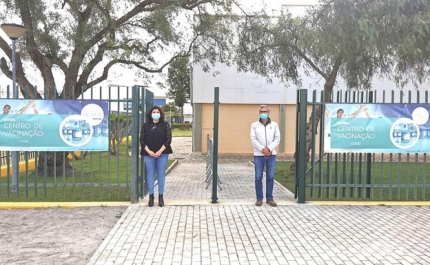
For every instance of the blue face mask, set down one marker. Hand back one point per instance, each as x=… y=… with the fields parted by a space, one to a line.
x=264 y=116
x=155 y=116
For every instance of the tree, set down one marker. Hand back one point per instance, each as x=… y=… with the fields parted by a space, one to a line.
x=337 y=37
x=407 y=26
x=178 y=80
x=170 y=110
x=83 y=40
x=120 y=127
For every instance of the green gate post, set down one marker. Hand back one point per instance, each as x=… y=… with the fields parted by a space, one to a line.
x=215 y=148
x=147 y=103
x=369 y=160
x=296 y=149
x=301 y=157
x=135 y=144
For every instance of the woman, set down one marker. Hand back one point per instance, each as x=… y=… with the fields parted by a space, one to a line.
x=155 y=140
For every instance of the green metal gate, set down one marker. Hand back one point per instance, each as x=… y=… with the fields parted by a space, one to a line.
x=143 y=101
x=114 y=175
x=354 y=176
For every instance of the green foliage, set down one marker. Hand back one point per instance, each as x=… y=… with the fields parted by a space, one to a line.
x=120 y=127
x=182 y=126
x=178 y=80
x=408 y=28
x=171 y=108
x=358 y=40
x=116 y=118
x=182 y=133
x=78 y=37
x=171 y=111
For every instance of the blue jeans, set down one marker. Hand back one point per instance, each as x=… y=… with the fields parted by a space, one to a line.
x=260 y=162
x=156 y=165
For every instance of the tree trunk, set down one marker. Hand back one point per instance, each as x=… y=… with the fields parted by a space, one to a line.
x=114 y=146
x=328 y=87
x=56 y=164
x=309 y=143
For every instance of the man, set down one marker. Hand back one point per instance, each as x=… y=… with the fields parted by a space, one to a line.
x=31 y=103
x=339 y=113
x=6 y=109
x=265 y=137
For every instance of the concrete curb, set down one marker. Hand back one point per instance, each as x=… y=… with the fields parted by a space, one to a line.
x=173 y=165
x=34 y=205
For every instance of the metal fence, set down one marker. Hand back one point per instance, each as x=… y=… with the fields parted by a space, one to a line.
x=116 y=174
x=210 y=163
x=6 y=155
x=355 y=176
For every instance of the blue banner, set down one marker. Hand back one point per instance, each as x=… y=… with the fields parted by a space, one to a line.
x=54 y=125
x=377 y=128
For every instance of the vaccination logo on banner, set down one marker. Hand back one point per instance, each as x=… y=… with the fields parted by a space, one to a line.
x=54 y=125
x=377 y=128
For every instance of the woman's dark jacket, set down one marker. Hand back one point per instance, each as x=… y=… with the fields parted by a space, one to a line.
x=155 y=135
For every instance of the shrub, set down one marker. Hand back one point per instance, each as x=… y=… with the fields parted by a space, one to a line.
x=182 y=126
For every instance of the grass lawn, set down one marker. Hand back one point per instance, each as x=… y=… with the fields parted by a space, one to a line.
x=182 y=133
x=343 y=181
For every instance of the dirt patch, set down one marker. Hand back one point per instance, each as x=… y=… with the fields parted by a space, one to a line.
x=54 y=235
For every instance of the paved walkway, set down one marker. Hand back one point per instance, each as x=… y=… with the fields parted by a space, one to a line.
x=191 y=230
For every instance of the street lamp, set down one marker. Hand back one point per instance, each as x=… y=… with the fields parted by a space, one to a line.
x=14 y=32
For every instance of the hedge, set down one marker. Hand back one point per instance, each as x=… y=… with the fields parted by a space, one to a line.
x=182 y=126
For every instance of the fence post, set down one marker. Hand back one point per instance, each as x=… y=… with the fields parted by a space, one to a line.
x=215 y=147
x=135 y=144
x=369 y=160
x=301 y=157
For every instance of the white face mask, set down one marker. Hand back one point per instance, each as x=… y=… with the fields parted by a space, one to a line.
x=264 y=116
x=155 y=116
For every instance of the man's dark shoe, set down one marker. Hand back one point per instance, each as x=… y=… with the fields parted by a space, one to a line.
x=258 y=203
x=272 y=203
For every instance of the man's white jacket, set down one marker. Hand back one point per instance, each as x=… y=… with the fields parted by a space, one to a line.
x=265 y=136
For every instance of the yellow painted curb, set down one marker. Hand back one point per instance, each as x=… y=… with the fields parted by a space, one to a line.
x=32 y=205
x=22 y=167
x=370 y=203
x=143 y=202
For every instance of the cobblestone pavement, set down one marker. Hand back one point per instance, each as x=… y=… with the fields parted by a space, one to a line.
x=191 y=230
x=244 y=234
x=237 y=184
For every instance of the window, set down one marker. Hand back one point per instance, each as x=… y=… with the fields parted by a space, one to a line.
x=127 y=104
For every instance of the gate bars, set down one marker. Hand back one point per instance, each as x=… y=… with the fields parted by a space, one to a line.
x=355 y=176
